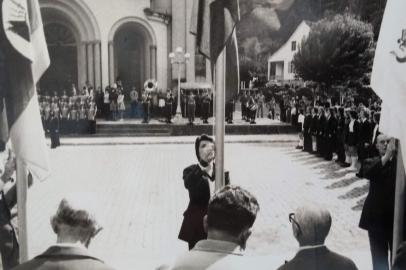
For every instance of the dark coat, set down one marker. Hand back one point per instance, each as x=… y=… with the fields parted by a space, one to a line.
x=351 y=138
x=307 y=124
x=400 y=259
x=330 y=130
x=196 y=181
x=313 y=125
x=64 y=258
x=318 y=259
x=378 y=211
x=365 y=132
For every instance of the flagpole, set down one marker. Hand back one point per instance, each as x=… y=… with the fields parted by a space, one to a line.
x=220 y=117
x=399 y=203
x=22 y=187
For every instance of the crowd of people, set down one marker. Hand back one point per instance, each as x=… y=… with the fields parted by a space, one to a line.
x=216 y=225
x=73 y=114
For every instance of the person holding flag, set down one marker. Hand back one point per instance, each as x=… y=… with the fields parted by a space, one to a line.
x=23 y=59
x=388 y=80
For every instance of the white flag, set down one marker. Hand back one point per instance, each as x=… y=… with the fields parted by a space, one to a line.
x=388 y=78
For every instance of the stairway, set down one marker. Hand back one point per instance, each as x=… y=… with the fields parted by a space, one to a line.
x=139 y=130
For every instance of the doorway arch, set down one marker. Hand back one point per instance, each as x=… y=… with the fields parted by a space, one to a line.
x=61 y=17
x=132 y=53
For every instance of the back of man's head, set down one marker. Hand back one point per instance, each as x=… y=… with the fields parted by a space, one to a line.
x=314 y=222
x=232 y=210
x=76 y=218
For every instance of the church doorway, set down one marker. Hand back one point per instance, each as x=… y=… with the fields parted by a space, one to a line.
x=132 y=55
x=62 y=47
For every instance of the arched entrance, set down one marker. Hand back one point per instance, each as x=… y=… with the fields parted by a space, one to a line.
x=132 y=53
x=73 y=40
x=62 y=47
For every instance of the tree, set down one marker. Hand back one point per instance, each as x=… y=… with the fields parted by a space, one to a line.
x=337 y=50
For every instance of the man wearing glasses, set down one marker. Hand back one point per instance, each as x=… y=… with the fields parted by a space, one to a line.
x=311 y=225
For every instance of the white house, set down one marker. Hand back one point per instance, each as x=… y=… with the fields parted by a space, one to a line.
x=280 y=66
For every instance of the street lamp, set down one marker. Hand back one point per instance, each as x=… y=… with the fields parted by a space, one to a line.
x=179 y=57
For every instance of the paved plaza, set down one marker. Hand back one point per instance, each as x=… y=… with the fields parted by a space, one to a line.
x=142 y=197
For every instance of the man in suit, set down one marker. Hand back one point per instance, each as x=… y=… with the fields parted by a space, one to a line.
x=307 y=136
x=75 y=224
x=364 y=138
x=225 y=239
x=321 y=121
x=330 y=134
x=313 y=129
x=311 y=225
x=8 y=240
x=378 y=211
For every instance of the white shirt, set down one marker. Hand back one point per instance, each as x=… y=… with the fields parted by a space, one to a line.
x=351 y=126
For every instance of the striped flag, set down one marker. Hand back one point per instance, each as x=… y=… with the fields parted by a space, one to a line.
x=213 y=23
x=388 y=77
x=24 y=58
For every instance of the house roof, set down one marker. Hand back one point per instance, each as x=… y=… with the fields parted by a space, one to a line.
x=275 y=55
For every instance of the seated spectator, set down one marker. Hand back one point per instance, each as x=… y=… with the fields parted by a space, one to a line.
x=75 y=225
x=231 y=213
x=311 y=225
x=400 y=259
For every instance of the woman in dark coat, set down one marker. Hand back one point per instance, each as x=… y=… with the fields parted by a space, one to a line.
x=196 y=180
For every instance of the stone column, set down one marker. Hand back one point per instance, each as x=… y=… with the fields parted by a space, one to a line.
x=153 y=62
x=90 y=63
x=97 y=65
x=111 y=62
x=82 y=65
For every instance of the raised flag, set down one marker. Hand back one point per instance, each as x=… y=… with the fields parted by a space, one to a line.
x=24 y=58
x=388 y=77
x=213 y=23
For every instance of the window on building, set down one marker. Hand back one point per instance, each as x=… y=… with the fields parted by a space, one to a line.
x=291 y=67
x=200 y=67
x=293 y=45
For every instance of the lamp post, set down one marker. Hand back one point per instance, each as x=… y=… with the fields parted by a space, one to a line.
x=179 y=57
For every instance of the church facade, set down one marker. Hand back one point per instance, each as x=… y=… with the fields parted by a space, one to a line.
x=97 y=42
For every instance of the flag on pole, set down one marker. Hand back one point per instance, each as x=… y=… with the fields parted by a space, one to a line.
x=24 y=58
x=213 y=23
x=388 y=77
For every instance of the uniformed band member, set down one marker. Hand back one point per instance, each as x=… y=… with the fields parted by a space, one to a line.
x=205 y=107
x=251 y=109
x=244 y=101
x=229 y=111
x=146 y=100
x=168 y=106
x=191 y=106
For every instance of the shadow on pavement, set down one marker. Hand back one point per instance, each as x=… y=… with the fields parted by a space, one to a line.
x=332 y=171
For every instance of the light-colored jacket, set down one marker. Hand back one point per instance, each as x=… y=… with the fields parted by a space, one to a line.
x=213 y=255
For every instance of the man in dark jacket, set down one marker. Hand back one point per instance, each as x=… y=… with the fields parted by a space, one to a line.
x=330 y=134
x=313 y=129
x=307 y=136
x=8 y=198
x=196 y=179
x=75 y=224
x=378 y=211
x=311 y=225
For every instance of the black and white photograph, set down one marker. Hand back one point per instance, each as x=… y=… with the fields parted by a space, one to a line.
x=202 y=134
